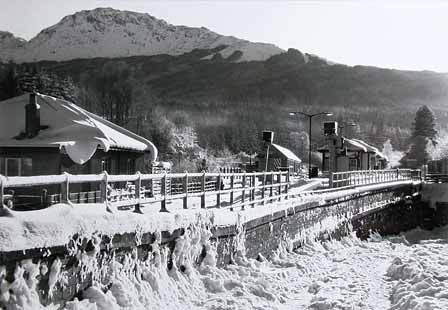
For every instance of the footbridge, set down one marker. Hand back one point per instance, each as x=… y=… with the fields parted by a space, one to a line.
x=78 y=224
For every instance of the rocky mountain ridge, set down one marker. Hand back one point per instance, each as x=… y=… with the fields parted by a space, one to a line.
x=110 y=33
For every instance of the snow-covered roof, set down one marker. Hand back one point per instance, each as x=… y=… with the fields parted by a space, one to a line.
x=371 y=148
x=358 y=145
x=287 y=153
x=78 y=131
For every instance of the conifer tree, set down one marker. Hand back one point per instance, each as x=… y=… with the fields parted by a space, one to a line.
x=423 y=132
x=424 y=124
x=9 y=85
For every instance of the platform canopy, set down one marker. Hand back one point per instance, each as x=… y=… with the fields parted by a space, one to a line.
x=67 y=126
x=287 y=153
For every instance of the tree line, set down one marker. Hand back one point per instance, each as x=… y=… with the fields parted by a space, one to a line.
x=126 y=94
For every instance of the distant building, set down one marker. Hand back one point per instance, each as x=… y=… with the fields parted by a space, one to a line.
x=350 y=155
x=280 y=158
x=43 y=135
x=438 y=166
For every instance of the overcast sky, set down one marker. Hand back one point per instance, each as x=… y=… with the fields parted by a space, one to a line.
x=394 y=34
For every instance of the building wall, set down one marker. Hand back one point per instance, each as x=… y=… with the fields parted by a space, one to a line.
x=114 y=162
x=50 y=161
x=275 y=160
x=364 y=161
x=45 y=160
x=342 y=163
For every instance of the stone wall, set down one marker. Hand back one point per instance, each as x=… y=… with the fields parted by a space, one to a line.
x=384 y=211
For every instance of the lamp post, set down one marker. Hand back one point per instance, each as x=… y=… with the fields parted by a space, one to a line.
x=310 y=117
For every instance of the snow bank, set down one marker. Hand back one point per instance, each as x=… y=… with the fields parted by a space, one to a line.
x=382 y=273
x=57 y=224
x=420 y=277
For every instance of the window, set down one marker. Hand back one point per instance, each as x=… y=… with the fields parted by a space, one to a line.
x=14 y=166
x=26 y=166
x=353 y=164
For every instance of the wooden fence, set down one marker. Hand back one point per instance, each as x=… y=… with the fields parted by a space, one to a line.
x=366 y=177
x=224 y=189
x=138 y=189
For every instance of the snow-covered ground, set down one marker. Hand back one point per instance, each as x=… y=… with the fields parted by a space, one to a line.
x=397 y=273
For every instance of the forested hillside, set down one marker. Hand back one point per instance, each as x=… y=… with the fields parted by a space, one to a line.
x=229 y=103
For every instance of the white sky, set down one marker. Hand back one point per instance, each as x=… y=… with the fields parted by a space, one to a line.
x=394 y=34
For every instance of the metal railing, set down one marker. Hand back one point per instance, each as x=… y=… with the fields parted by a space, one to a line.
x=240 y=189
x=366 y=177
x=436 y=178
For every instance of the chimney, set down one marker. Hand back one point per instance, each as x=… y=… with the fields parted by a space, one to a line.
x=32 y=117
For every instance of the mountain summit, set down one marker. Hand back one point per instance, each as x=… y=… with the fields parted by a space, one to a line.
x=106 y=32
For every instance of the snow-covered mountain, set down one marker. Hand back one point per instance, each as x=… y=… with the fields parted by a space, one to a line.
x=106 y=32
x=10 y=45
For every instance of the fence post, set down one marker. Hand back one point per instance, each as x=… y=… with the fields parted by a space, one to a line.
x=218 y=194
x=232 y=181
x=279 y=187
x=254 y=185
x=65 y=190
x=43 y=198
x=270 y=188
x=163 y=193
x=243 y=193
x=2 y=191
x=103 y=188
x=138 y=188
x=203 y=190
x=185 y=188
x=263 y=183
x=330 y=181
x=287 y=185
